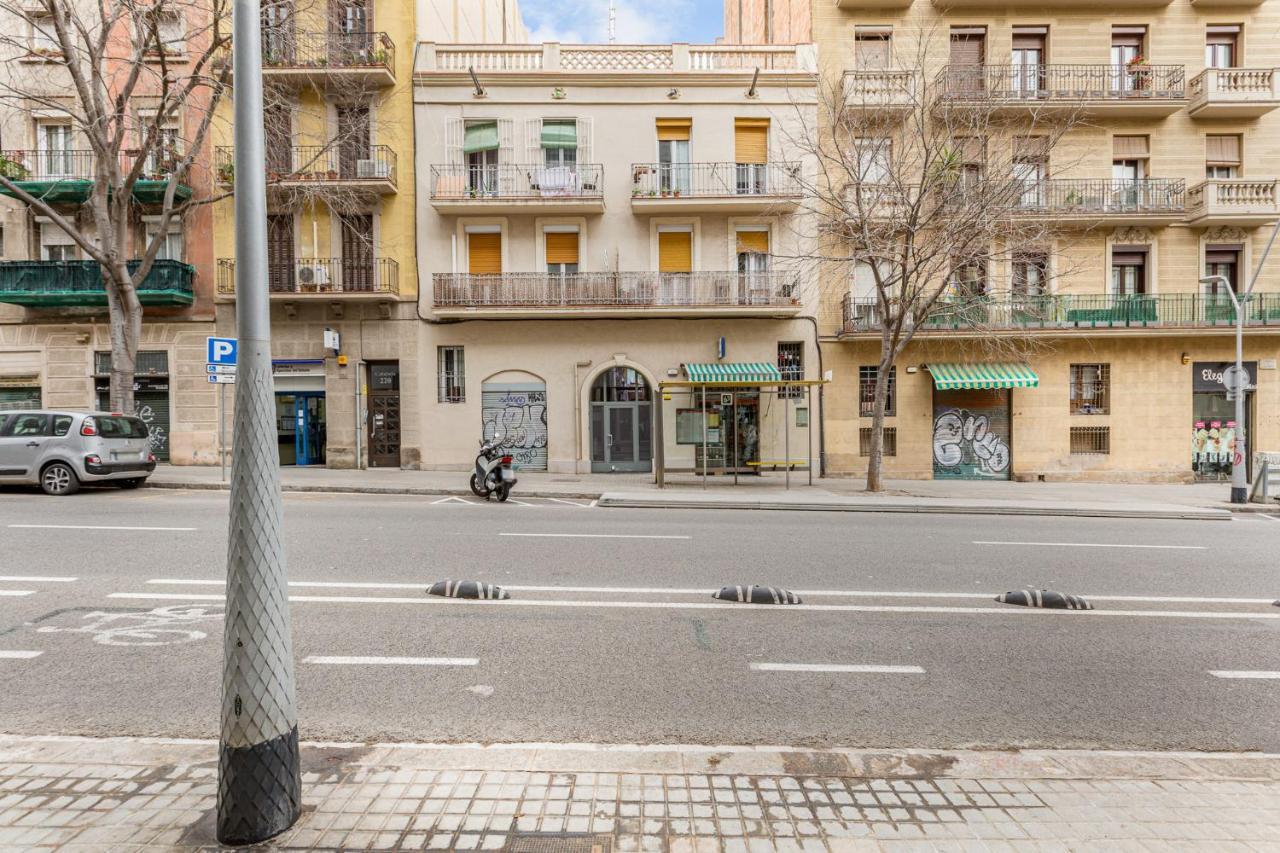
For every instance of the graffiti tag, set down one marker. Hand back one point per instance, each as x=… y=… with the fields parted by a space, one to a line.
x=965 y=443
x=163 y=626
x=522 y=421
x=156 y=435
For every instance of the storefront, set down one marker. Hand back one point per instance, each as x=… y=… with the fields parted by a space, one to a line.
x=151 y=399
x=972 y=424
x=300 y=410
x=518 y=411
x=1213 y=413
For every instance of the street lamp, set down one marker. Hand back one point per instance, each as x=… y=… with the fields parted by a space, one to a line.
x=1239 y=483
x=259 y=773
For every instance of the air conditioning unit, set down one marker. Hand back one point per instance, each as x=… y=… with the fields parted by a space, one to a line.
x=372 y=169
x=312 y=276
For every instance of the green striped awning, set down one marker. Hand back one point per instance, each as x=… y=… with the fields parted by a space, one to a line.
x=743 y=371
x=949 y=376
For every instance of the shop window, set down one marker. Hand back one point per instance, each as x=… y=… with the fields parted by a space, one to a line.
x=1090 y=389
x=1090 y=441
x=450 y=375
x=791 y=366
x=867 y=374
x=890 y=441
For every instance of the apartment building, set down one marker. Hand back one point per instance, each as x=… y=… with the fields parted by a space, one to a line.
x=596 y=220
x=1171 y=176
x=54 y=340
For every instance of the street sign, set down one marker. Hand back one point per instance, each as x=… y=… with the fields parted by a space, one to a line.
x=222 y=378
x=1236 y=379
x=221 y=351
x=220 y=368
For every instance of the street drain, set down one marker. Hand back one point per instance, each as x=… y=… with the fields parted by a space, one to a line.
x=468 y=589
x=1044 y=598
x=549 y=842
x=757 y=595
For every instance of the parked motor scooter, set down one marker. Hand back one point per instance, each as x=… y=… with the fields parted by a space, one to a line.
x=494 y=474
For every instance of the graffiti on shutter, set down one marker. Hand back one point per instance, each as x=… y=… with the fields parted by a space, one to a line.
x=518 y=410
x=971 y=435
x=152 y=408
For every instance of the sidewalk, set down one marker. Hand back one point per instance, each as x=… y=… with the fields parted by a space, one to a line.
x=139 y=795
x=1199 y=500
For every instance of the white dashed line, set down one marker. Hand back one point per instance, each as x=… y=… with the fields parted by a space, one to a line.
x=16 y=593
x=1093 y=545
x=93 y=527
x=597 y=535
x=886 y=669
x=18 y=654
x=1244 y=673
x=339 y=660
x=35 y=579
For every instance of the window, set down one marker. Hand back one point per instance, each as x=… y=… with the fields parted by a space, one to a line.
x=1028 y=60
x=62 y=424
x=55 y=155
x=21 y=425
x=1221 y=45
x=872 y=47
x=753 y=256
x=875 y=160
x=1090 y=440
x=480 y=145
x=43 y=38
x=562 y=252
x=170 y=35
x=1128 y=270
x=791 y=366
x=148 y=363
x=674 y=174
x=171 y=243
x=972 y=154
x=1031 y=168
x=1127 y=55
x=867 y=375
x=889 y=445
x=1223 y=260
x=1030 y=274
x=484 y=252
x=1222 y=155
x=165 y=153
x=1090 y=390
x=969 y=279
x=56 y=244
x=560 y=142
x=751 y=154
x=450 y=377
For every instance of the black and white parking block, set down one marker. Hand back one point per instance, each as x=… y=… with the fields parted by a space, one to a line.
x=757 y=595
x=469 y=589
x=1046 y=598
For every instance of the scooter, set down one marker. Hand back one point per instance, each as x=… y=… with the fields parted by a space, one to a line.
x=493 y=475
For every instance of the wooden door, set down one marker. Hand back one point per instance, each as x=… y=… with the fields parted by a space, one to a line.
x=354 y=145
x=277 y=120
x=358 y=272
x=280 y=258
x=384 y=415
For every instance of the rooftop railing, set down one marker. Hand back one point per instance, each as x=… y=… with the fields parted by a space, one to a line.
x=552 y=56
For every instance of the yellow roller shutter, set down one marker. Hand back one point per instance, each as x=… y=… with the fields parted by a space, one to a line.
x=751 y=140
x=753 y=241
x=675 y=251
x=562 y=247
x=484 y=254
x=674 y=128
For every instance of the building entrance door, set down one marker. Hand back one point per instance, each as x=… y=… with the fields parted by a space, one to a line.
x=621 y=422
x=384 y=415
x=300 y=427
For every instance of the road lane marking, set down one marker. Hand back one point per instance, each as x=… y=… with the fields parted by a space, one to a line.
x=339 y=660
x=569 y=502
x=35 y=579
x=838 y=667
x=716 y=605
x=1094 y=545
x=15 y=593
x=18 y=654
x=598 y=535
x=91 y=527
x=453 y=499
x=1244 y=673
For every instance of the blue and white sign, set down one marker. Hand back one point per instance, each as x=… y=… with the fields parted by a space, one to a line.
x=221 y=351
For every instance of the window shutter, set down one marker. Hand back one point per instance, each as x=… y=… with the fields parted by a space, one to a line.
x=675 y=251
x=672 y=129
x=484 y=254
x=533 y=141
x=1030 y=149
x=506 y=156
x=1222 y=149
x=584 y=141
x=751 y=140
x=1130 y=147
x=562 y=247
x=1029 y=38
x=1221 y=257
x=753 y=241
x=966 y=48
x=453 y=141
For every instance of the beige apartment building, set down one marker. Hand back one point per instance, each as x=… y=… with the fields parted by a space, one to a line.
x=596 y=220
x=1170 y=176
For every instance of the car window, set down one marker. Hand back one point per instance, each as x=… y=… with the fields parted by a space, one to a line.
x=62 y=424
x=20 y=425
x=115 y=426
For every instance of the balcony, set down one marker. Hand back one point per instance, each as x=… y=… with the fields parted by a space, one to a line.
x=508 y=188
x=1233 y=202
x=1149 y=201
x=328 y=168
x=326 y=60
x=61 y=284
x=371 y=278
x=1146 y=90
x=67 y=177
x=1071 y=314
x=610 y=294
x=729 y=60
x=715 y=187
x=881 y=90
x=1233 y=93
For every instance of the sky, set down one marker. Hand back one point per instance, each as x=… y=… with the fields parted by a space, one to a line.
x=639 y=21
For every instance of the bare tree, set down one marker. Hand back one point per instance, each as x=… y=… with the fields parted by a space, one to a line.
x=926 y=186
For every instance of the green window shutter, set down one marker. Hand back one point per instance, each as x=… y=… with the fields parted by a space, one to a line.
x=560 y=134
x=481 y=136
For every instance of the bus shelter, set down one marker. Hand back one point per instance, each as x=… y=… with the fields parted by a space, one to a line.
x=733 y=419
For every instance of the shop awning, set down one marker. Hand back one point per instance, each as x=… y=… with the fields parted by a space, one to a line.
x=743 y=371
x=952 y=375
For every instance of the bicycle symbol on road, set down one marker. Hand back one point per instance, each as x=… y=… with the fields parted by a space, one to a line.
x=163 y=626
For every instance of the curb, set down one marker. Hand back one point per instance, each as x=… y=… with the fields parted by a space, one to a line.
x=367 y=490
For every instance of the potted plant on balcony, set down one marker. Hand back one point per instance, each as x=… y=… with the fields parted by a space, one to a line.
x=11 y=166
x=227 y=173
x=1139 y=73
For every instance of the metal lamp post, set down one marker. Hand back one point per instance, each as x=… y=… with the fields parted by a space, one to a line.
x=259 y=776
x=1239 y=483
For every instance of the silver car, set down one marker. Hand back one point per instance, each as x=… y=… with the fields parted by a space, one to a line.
x=61 y=450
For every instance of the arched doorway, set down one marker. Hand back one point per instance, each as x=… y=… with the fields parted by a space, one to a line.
x=621 y=422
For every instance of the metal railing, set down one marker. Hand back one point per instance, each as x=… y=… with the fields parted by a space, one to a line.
x=1103 y=196
x=48 y=165
x=1032 y=83
x=318 y=163
x=713 y=180
x=321 y=275
x=1068 y=311
x=620 y=289
x=286 y=49
x=507 y=180
x=67 y=277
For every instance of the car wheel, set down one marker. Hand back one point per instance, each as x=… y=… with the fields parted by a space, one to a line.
x=131 y=483
x=59 y=479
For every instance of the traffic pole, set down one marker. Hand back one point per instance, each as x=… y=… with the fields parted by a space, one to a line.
x=259 y=777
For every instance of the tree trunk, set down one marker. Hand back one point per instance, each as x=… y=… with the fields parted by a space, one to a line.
x=876 y=454
x=125 y=323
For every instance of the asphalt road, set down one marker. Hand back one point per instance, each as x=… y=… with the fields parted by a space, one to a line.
x=611 y=634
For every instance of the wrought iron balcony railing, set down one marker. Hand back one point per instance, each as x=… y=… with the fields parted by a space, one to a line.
x=620 y=289
x=714 y=180
x=1064 y=83
x=1102 y=197
x=512 y=181
x=336 y=163
x=321 y=275
x=286 y=49
x=1072 y=311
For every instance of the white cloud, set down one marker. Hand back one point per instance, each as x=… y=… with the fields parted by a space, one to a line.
x=587 y=21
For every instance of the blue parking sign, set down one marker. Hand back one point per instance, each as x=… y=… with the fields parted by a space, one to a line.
x=222 y=351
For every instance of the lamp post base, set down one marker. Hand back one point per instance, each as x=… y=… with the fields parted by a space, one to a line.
x=1239 y=494
x=259 y=789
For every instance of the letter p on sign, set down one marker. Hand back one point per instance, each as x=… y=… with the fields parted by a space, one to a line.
x=221 y=351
